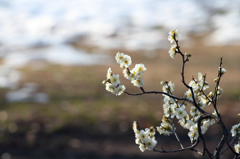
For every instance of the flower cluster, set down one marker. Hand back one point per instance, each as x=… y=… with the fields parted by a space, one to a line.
x=145 y=139
x=173 y=34
x=112 y=83
x=166 y=127
x=133 y=75
x=174 y=108
x=236 y=132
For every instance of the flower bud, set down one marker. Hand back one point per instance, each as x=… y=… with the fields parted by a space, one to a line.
x=210 y=94
x=104 y=82
x=216 y=79
x=163 y=82
x=223 y=70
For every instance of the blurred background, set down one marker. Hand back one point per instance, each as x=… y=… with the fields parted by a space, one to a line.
x=55 y=55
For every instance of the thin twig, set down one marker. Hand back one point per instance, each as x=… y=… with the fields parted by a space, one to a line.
x=228 y=146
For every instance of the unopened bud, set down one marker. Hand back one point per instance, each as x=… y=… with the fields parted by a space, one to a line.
x=216 y=79
x=163 y=82
x=210 y=94
x=239 y=114
x=189 y=55
x=104 y=82
x=223 y=70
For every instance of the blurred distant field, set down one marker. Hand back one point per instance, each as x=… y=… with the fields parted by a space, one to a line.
x=83 y=120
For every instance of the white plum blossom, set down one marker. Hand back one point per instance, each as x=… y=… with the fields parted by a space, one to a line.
x=143 y=135
x=201 y=104
x=124 y=60
x=189 y=95
x=183 y=123
x=204 y=99
x=112 y=83
x=205 y=126
x=200 y=76
x=168 y=87
x=120 y=57
x=110 y=87
x=180 y=112
x=194 y=128
x=193 y=135
x=138 y=82
x=189 y=124
x=194 y=85
x=137 y=140
x=173 y=34
x=204 y=85
x=173 y=107
x=127 y=62
x=165 y=129
x=115 y=90
x=145 y=139
x=169 y=112
x=219 y=91
x=119 y=90
x=194 y=111
x=237 y=148
x=128 y=75
x=167 y=99
x=109 y=73
x=151 y=131
x=142 y=147
x=150 y=143
x=172 y=50
x=235 y=129
x=114 y=79
x=223 y=70
x=199 y=84
x=135 y=127
x=138 y=70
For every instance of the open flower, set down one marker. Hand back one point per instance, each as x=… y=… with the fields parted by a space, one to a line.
x=114 y=79
x=172 y=50
x=189 y=95
x=150 y=143
x=138 y=82
x=193 y=135
x=235 y=129
x=237 y=148
x=165 y=129
x=112 y=83
x=120 y=57
x=127 y=62
x=173 y=34
x=138 y=70
x=180 y=112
